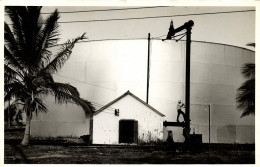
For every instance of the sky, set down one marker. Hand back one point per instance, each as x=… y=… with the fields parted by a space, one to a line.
x=236 y=29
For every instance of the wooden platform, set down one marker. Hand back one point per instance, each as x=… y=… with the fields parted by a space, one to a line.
x=181 y=124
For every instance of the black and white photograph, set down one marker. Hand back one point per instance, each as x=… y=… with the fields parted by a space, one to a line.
x=129 y=84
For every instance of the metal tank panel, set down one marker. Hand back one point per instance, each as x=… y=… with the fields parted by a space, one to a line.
x=102 y=71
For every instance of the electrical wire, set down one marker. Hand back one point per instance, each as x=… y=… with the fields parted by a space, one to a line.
x=100 y=40
x=157 y=39
x=107 y=10
x=103 y=106
x=159 y=36
x=118 y=39
x=153 y=17
x=85 y=82
x=172 y=37
x=94 y=103
x=107 y=109
x=108 y=112
x=181 y=37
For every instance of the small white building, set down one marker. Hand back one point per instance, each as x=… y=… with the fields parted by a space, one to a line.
x=127 y=119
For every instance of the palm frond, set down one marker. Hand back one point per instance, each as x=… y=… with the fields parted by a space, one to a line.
x=248 y=111
x=16 y=90
x=246 y=96
x=26 y=25
x=66 y=97
x=32 y=25
x=50 y=30
x=16 y=20
x=66 y=88
x=47 y=37
x=10 y=74
x=90 y=105
x=39 y=106
x=29 y=62
x=11 y=60
x=42 y=80
x=248 y=70
x=251 y=44
x=62 y=56
x=246 y=91
x=13 y=51
x=10 y=38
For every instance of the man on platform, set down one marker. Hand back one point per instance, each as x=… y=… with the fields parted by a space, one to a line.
x=180 y=105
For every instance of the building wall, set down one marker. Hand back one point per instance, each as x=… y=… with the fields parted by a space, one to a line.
x=106 y=124
x=60 y=121
x=102 y=71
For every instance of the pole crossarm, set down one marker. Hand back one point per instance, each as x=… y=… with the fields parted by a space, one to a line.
x=173 y=31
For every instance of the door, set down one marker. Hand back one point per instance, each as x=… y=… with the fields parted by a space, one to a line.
x=128 y=131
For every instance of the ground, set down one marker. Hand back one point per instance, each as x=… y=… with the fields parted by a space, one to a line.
x=47 y=152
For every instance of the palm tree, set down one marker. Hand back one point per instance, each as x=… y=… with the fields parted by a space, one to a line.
x=246 y=92
x=29 y=62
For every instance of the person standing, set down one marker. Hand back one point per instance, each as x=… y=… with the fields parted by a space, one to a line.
x=180 y=105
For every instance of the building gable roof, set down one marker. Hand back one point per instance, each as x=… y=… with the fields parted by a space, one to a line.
x=122 y=96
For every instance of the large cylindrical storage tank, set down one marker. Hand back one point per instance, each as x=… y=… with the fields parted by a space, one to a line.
x=104 y=70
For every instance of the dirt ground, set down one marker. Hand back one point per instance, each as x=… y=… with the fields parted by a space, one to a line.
x=54 y=154
x=49 y=154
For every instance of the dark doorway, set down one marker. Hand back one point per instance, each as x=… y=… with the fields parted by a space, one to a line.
x=128 y=131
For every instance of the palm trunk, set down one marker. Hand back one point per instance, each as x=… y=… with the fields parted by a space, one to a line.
x=26 y=138
x=9 y=115
x=91 y=128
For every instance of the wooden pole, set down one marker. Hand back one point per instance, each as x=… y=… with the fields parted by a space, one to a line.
x=209 y=124
x=148 y=70
x=187 y=90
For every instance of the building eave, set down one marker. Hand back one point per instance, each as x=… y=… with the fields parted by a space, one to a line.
x=122 y=96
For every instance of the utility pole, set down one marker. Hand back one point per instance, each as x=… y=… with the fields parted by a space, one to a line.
x=188 y=26
x=187 y=91
x=209 y=123
x=148 y=69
